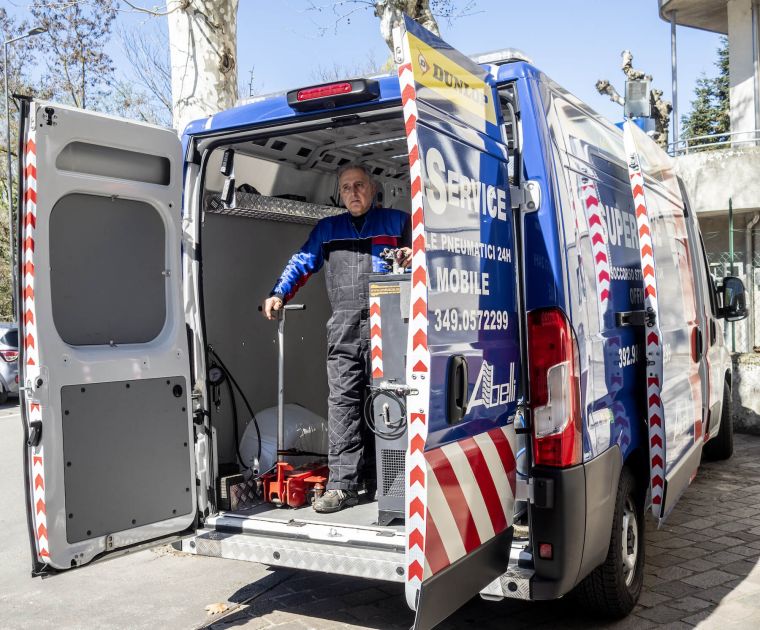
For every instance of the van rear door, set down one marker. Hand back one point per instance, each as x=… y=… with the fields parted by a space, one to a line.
x=673 y=373
x=104 y=363
x=463 y=355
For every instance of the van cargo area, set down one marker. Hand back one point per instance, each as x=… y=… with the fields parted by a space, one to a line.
x=284 y=183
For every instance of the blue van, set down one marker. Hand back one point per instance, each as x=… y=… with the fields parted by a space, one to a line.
x=559 y=337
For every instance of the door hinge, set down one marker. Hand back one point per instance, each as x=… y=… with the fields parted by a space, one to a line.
x=109 y=543
x=527 y=196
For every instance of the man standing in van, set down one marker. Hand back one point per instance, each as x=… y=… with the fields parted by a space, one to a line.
x=349 y=247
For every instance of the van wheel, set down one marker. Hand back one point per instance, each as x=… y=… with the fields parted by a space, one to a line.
x=613 y=588
x=722 y=445
x=3 y=396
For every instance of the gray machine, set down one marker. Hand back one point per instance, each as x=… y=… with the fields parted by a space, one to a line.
x=386 y=411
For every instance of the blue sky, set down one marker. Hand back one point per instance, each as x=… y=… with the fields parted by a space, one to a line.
x=575 y=42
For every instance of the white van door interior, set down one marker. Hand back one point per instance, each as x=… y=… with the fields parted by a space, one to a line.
x=105 y=367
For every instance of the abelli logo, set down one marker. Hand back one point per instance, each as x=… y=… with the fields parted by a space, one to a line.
x=490 y=394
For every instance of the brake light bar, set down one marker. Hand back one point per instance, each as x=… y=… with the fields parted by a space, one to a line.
x=309 y=94
x=9 y=356
x=332 y=95
x=554 y=389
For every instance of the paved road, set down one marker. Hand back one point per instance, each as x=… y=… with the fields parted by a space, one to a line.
x=702 y=570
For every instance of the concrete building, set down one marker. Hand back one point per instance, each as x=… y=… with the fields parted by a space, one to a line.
x=726 y=172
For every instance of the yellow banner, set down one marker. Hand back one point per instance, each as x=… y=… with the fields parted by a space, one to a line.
x=462 y=88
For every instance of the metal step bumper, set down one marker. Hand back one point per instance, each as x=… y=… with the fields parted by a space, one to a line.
x=514 y=583
x=361 y=552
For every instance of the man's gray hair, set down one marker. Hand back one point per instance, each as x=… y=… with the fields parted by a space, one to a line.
x=360 y=166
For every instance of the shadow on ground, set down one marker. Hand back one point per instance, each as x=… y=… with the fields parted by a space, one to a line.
x=701 y=569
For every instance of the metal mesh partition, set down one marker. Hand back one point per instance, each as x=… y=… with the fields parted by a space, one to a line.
x=253 y=206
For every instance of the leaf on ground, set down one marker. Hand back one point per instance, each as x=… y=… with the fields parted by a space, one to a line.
x=217 y=608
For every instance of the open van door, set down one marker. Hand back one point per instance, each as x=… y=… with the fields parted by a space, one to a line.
x=104 y=360
x=463 y=354
x=673 y=374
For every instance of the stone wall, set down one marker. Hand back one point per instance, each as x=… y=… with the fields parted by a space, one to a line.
x=746 y=393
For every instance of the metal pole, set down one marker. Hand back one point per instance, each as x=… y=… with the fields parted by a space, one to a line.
x=756 y=66
x=674 y=73
x=9 y=184
x=37 y=30
x=749 y=274
x=280 y=384
x=731 y=260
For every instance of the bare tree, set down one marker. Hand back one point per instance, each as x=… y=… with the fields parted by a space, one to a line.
x=78 y=68
x=203 y=55
x=368 y=67
x=146 y=91
x=203 y=42
x=20 y=59
x=390 y=12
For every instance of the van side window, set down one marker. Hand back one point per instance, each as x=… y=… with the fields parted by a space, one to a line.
x=582 y=130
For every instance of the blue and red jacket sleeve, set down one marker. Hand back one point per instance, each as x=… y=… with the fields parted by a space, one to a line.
x=306 y=261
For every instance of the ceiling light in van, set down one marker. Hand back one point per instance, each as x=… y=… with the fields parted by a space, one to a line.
x=383 y=141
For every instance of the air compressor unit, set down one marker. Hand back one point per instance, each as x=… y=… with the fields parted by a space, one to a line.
x=385 y=411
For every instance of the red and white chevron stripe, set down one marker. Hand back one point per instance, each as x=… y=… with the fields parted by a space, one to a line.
x=31 y=350
x=376 y=337
x=418 y=355
x=471 y=489
x=653 y=339
x=597 y=228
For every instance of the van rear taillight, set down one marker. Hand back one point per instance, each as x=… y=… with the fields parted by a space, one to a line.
x=332 y=95
x=554 y=389
x=9 y=356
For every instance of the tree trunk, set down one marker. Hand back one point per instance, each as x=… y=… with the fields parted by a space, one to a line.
x=391 y=13
x=203 y=44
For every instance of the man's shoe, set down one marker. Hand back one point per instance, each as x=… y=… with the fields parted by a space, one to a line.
x=335 y=500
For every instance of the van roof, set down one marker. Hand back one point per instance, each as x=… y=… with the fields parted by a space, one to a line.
x=274 y=108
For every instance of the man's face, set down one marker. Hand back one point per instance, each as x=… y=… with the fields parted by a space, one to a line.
x=356 y=191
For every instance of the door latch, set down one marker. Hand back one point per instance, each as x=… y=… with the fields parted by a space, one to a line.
x=635 y=318
x=35 y=434
x=535 y=490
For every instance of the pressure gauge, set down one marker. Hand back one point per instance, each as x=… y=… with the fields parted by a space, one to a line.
x=216 y=375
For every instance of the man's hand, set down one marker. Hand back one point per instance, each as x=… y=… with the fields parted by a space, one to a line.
x=271 y=306
x=404 y=256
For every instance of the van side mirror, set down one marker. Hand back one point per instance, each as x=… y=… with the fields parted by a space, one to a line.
x=734 y=299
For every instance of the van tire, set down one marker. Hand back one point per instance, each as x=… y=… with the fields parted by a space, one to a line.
x=3 y=396
x=609 y=590
x=722 y=445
